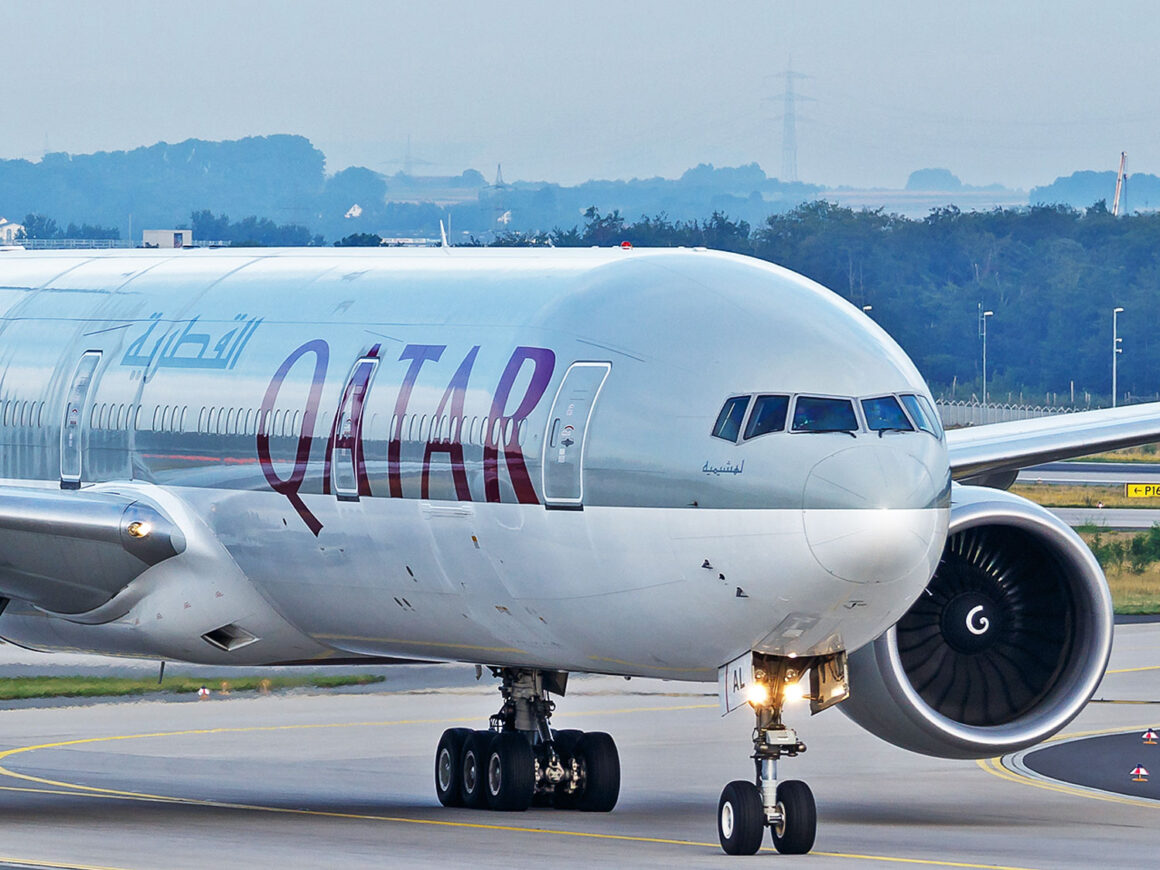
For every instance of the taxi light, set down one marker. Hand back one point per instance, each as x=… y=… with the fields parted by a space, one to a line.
x=140 y=529
x=794 y=691
x=757 y=694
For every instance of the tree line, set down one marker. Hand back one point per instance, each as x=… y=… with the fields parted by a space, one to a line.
x=1051 y=274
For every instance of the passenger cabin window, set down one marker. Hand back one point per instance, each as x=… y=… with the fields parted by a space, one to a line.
x=768 y=415
x=924 y=415
x=884 y=414
x=728 y=424
x=817 y=414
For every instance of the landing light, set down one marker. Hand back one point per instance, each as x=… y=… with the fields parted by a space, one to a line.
x=757 y=694
x=140 y=529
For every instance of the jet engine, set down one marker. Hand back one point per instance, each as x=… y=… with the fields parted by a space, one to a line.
x=1004 y=647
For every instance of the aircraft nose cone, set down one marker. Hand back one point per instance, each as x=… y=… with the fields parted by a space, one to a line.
x=873 y=515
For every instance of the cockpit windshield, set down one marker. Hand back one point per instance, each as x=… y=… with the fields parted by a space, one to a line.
x=818 y=414
x=768 y=416
x=744 y=417
x=884 y=414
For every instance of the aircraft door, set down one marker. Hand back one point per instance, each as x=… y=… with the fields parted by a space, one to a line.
x=348 y=466
x=73 y=428
x=563 y=465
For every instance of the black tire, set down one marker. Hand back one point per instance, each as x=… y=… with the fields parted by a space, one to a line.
x=565 y=742
x=740 y=818
x=596 y=752
x=510 y=775
x=795 y=835
x=472 y=776
x=448 y=758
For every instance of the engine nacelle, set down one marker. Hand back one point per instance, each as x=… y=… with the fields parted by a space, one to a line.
x=1004 y=647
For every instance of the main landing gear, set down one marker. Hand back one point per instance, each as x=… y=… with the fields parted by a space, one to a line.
x=520 y=761
x=787 y=808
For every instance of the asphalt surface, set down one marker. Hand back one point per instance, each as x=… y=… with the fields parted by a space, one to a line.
x=1105 y=763
x=1092 y=473
x=322 y=779
x=1112 y=518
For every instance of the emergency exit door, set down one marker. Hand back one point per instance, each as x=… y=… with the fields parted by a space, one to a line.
x=72 y=430
x=567 y=431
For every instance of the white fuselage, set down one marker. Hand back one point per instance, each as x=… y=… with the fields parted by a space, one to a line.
x=495 y=457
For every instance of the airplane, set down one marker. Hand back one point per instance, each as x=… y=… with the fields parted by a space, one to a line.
x=670 y=463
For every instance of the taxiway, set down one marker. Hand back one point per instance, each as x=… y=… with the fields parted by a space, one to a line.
x=307 y=779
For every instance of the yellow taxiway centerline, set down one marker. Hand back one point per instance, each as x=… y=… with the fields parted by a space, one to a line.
x=36 y=864
x=1135 y=670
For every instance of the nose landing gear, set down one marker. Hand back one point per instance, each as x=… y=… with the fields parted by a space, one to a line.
x=787 y=808
x=520 y=760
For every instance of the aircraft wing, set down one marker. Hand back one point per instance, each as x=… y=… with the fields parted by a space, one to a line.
x=994 y=453
x=69 y=552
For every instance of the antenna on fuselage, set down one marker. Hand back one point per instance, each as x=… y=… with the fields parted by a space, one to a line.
x=443 y=235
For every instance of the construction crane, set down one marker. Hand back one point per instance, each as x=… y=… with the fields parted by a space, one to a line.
x=1121 y=183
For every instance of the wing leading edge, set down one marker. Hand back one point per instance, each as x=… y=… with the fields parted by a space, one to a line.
x=995 y=453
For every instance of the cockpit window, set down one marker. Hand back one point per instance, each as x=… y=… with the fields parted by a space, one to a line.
x=932 y=416
x=884 y=414
x=728 y=424
x=924 y=415
x=768 y=416
x=816 y=414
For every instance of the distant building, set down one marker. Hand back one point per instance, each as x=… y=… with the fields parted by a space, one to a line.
x=167 y=238
x=9 y=231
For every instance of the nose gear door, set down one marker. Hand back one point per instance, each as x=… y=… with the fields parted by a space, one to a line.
x=563 y=465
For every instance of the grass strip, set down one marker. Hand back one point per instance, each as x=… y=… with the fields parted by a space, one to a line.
x=18 y=688
x=1080 y=496
x=1129 y=564
x=1146 y=453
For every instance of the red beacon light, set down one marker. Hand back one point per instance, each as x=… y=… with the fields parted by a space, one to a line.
x=626 y=246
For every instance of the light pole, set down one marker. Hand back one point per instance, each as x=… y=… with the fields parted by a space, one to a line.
x=1116 y=350
x=983 y=321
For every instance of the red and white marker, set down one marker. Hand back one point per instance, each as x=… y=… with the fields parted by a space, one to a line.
x=1150 y=736
x=203 y=692
x=1139 y=773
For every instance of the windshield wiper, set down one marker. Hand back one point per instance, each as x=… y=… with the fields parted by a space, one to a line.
x=851 y=432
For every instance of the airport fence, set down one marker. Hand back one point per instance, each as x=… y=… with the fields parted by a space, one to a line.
x=975 y=413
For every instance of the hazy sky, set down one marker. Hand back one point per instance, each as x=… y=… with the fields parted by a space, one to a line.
x=1014 y=92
